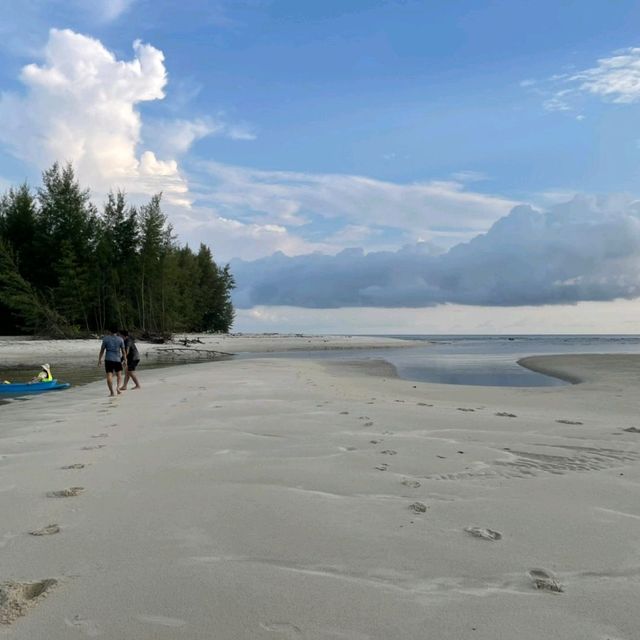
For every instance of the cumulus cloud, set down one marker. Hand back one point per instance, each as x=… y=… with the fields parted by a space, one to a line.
x=587 y=249
x=292 y=198
x=79 y=105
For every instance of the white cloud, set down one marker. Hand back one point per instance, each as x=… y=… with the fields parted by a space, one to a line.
x=175 y=137
x=112 y=9
x=291 y=198
x=229 y=237
x=616 y=78
x=613 y=79
x=585 y=249
x=584 y=317
x=79 y=106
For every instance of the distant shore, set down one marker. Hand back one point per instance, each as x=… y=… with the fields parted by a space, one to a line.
x=284 y=498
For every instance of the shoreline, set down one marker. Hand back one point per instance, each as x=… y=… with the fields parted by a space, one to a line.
x=28 y=352
x=281 y=498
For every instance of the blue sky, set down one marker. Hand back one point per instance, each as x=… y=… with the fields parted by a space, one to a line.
x=302 y=127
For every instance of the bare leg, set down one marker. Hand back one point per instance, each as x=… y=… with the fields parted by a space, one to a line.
x=110 y=383
x=127 y=375
x=134 y=377
x=118 y=380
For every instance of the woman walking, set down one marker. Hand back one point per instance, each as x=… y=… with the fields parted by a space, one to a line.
x=133 y=359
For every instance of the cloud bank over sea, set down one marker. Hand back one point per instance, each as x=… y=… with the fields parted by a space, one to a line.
x=587 y=249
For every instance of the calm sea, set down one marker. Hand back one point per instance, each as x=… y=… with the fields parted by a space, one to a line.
x=481 y=360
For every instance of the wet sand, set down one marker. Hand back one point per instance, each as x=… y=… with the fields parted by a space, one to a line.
x=283 y=499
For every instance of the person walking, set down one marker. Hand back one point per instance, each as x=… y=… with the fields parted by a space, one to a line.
x=133 y=359
x=114 y=354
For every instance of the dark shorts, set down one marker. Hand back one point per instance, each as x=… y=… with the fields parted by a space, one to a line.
x=132 y=365
x=112 y=366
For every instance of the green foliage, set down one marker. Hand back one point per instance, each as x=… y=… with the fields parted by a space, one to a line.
x=67 y=269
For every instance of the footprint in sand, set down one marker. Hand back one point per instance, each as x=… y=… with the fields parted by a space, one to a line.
x=163 y=621
x=465 y=409
x=66 y=493
x=368 y=424
x=77 y=465
x=286 y=628
x=49 y=530
x=375 y=441
x=389 y=452
x=382 y=467
x=88 y=627
x=16 y=598
x=412 y=484
x=485 y=534
x=506 y=414
x=569 y=422
x=398 y=400
x=95 y=446
x=418 y=507
x=545 y=580
x=424 y=404
x=632 y=430
x=344 y=413
x=100 y=435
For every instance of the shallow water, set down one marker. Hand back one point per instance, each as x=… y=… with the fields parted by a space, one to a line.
x=477 y=360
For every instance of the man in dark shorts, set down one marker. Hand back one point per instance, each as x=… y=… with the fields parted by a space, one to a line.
x=114 y=354
x=133 y=359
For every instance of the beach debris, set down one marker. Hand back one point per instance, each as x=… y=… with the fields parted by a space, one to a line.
x=49 y=530
x=465 y=409
x=485 y=534
x=382 y=467
x=389 y=452
x=17 y=597
x=545 y=580
x=412 y=484
x=418 y=507
x=506 y=414
x=632 y=430
x=71 y=492
x=569 y=422
x=77 y=465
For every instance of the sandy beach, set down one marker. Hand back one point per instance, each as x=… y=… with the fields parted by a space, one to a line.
x=32 y=351
x=283 y=499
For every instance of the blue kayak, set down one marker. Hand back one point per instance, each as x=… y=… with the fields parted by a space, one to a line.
x=27 y=388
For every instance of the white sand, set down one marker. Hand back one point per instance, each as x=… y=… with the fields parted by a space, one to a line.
x=241 y=499
x=31 y=351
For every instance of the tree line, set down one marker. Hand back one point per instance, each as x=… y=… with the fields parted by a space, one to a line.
x=68 y=269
